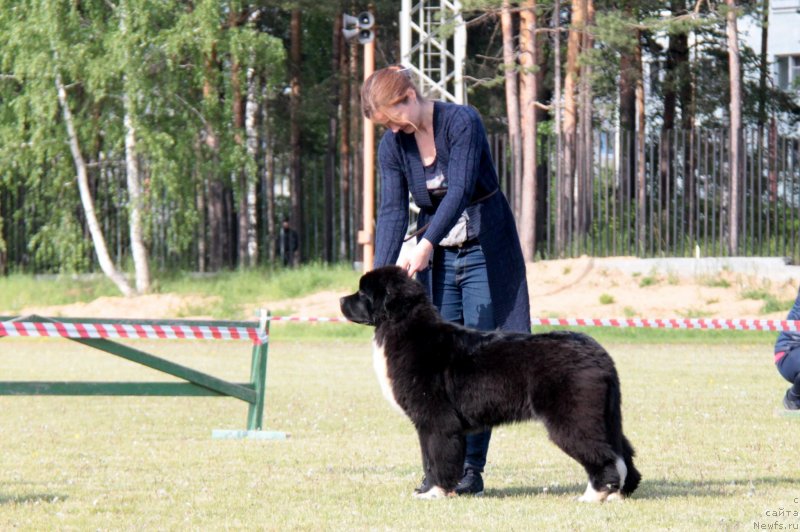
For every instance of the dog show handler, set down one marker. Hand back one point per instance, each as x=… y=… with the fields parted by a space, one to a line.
x=468 y=253
x=787 y=359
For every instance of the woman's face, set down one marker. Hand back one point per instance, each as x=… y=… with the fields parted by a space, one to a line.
x=401 y=116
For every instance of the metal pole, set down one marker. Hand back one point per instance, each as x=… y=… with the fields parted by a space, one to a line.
x=405 y=33
x=460 y=52
x=366 y=237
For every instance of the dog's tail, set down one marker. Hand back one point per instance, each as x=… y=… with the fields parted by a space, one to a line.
x=617 y=439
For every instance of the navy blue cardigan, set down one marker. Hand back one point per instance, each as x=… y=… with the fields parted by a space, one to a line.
x=463 y=150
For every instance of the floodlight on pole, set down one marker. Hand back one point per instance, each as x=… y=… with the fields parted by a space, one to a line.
x=360 y=28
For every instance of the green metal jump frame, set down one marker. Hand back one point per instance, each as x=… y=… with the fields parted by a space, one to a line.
x=96 y=333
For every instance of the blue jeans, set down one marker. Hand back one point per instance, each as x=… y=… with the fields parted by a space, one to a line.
x=789 y=365
x=461 y=293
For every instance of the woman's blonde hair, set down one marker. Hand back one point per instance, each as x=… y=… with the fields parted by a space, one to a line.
x=387 y=87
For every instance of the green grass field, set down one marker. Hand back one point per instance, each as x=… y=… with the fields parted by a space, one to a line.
x=713 y=450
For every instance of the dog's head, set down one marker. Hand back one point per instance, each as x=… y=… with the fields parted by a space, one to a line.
x=383 y=294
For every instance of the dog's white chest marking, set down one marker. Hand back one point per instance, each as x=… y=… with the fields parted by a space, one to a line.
x=382 y=372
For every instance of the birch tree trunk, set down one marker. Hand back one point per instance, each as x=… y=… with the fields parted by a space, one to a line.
x=528 y=115
x=512 y=103
x=251 y=178
x=106 y=264
x=133 y=176
x=135 y=200
x=736 y=126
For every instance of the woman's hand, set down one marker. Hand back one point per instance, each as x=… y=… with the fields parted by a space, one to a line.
x=419 y=259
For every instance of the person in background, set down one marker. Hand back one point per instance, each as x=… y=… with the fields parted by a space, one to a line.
x=467 y=250
x=787 y=359
x=288 y=244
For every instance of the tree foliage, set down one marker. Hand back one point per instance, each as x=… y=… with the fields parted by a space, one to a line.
x=184 y=74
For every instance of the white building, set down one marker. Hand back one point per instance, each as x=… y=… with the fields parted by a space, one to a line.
x=783 y=41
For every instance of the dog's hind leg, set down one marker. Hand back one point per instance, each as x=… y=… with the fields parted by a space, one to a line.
x=443 y=460
x=588 y=446
x=622 y=474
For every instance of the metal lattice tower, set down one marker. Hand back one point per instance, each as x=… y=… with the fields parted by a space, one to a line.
x=433 y=44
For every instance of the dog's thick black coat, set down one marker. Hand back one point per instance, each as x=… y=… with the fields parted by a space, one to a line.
x=451 y=381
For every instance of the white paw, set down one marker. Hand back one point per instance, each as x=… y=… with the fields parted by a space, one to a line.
x=591 y=495
x=434 y=493
x=616 y=496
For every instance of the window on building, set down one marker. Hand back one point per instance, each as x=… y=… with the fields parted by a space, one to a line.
x=787 y=70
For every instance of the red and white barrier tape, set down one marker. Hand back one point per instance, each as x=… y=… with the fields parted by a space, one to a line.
x=743 y=324
x=307 y=319
x=209 y=332
x=115 y=330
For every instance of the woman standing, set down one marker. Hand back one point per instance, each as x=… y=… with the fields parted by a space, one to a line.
x=468 y=252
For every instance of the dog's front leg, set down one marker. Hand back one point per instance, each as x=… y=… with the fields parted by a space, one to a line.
x=443 y=461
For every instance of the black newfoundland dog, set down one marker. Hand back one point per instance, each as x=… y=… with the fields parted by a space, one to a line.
x=451 y=381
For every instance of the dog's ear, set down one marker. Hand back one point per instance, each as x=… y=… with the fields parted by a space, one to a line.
x=395 y=301
x=394 y=294
x=389 y=303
